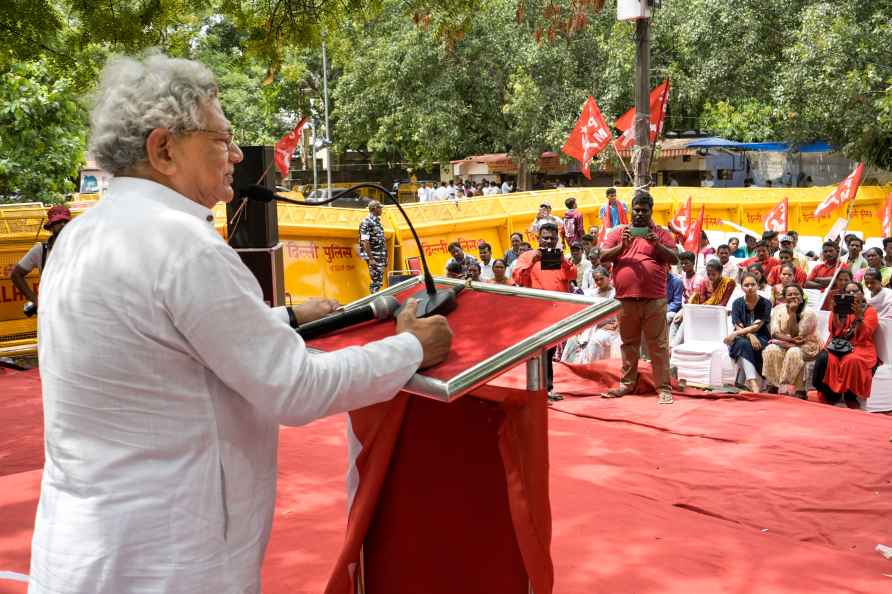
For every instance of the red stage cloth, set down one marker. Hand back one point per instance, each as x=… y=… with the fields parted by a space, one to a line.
x=489 y=324
x=21 y=436
x=755 y=495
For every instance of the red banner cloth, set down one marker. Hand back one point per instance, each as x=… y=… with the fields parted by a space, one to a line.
x=589 y=137
x=695 y=233
x=437 y=492
x=887 y=216
x=778 y=217
x=682 y=220
x=659 y=98
x=404 y=448
x=285 y=147
x=844 y=192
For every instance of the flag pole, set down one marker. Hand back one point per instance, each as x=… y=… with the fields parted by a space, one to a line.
x=622 y=162
x=828 y=291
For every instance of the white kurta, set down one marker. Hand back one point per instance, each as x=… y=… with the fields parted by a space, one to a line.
x=165 y=379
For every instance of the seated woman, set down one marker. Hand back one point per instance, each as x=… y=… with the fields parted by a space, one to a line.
x=875 y=259
x=848 y=376
x=500 y=276
x=751 y=316
x=787 y=277
x=878 y=296
x=593 y=344
x=759 y=272
x=794 y=340
x=843 y=277
x=715 y=290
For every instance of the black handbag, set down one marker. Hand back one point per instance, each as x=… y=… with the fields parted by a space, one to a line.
x=840 y=347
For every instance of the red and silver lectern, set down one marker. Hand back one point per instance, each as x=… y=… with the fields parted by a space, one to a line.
x=448 y=482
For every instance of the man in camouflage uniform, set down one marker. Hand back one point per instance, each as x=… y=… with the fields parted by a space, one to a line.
x=372 y=246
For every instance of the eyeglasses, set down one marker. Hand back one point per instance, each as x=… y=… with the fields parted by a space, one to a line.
x=228 y=136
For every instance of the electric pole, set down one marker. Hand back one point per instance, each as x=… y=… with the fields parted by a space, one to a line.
x=642 y=102
x=325 y=100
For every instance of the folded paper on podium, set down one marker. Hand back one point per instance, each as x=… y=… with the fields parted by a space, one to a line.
x=448 y=482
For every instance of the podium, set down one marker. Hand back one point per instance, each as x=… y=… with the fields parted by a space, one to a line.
x=448 y=482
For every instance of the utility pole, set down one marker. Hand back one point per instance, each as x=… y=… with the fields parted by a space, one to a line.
x=315 y=175
x=325 y=100
x=642 y=102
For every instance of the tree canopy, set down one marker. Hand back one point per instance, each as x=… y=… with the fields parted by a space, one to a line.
x=426 y=81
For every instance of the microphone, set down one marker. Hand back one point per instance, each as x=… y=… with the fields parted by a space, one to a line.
x=381 y=308
x=431 y=301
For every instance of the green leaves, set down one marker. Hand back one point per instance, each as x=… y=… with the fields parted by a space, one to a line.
x=42 y=134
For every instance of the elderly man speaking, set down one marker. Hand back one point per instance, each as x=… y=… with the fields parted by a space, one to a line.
x=165 y=377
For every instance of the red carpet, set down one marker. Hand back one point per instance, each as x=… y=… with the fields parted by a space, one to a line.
x=744 y=495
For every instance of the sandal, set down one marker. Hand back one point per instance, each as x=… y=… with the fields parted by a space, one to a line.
x=618 y=392
x=665 y=398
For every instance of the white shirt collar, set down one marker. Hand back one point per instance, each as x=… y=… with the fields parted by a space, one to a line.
x=150 y=190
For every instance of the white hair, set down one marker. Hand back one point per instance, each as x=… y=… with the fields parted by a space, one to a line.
x=137 y=96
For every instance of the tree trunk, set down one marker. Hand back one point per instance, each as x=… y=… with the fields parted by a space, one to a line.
x=523 y=175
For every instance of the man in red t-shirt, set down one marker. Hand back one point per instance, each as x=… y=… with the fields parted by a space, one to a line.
x=762 y=257
x=821 y=275
x=786 y=256
x=640 y=267
x=528 y=273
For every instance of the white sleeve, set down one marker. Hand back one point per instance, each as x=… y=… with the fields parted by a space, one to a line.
x=254 y=351
x=32 y=259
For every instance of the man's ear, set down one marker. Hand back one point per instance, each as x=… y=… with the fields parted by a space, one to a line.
x=159 y=150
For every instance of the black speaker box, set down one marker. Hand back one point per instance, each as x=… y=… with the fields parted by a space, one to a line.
x=267 y=265
x=257 y=226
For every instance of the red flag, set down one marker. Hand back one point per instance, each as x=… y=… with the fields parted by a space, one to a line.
x=285 y=148
x=778 y=218
x=589 y=137
x=682 y=219
x=602 y=234
x=887 y=217
x=694 y=232
x=659 y=98
x=844 y=192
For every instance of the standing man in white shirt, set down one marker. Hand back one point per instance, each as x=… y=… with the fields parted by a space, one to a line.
x=450 y=190
x=441 y=192
x=422 y=192
x=486 y=261
x=165 y=376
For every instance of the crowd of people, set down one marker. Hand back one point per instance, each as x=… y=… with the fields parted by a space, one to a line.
x=761 y=281
x=431 y=191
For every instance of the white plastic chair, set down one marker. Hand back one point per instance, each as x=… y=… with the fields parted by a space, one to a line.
x=880 y=399
x=823 y=332
x=702 y=357
x=814 y=296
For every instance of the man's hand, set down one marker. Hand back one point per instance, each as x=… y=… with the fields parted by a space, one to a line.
x=651 y=237
x=314 y=309
x=627 y=238
x=537 y=255
x=433 y=333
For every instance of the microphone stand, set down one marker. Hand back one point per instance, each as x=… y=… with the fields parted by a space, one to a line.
x=431 y=301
